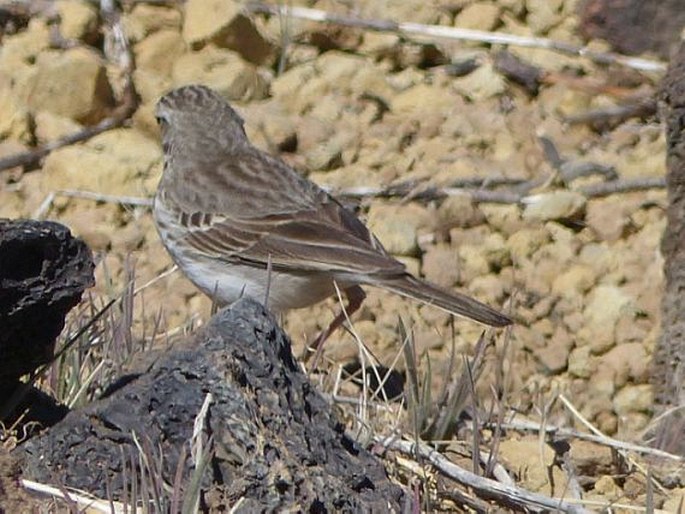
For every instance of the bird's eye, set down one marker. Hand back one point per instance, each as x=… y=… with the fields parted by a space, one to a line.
x=160 y=120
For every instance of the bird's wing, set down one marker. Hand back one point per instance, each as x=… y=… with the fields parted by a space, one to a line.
x=281 y=219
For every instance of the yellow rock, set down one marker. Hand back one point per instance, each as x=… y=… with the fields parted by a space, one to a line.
x=72 y=83
x=158 y=52
x=224 y=23
x=117 y=162
x=78 y=20
x=222 y=70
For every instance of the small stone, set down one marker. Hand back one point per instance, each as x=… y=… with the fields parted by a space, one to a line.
x=50 y=127
x=116 y=162
x=19 y=50
x=222 y=70
x=580 y=362
x=606 y=486
x=224 y=23
x=629 y=363
x=543 y=14
x=72 y=84
x=441 y=265
x=144 y=19
x=634 y=398
x=608 y=217
x=502 y=218
x=575 y=281
x=554 y=206
x=526 y=242
x=458 y=211
x=481 y=84
x=488 y=288
x=15 y=119
x=531 y=462
x=675 y=501
x=605 y=305
x=591 y=459
x=158 y=52
x=554 y=355
x=472 y=263
x=396 y=226
x=78 y=20
x=478 y=16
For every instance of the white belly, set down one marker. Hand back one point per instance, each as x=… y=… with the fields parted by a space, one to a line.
x=227 y=282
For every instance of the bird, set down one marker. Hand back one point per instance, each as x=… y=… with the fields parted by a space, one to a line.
x=240 y=222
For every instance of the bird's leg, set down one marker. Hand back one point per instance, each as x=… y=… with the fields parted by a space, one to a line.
x=355 y=296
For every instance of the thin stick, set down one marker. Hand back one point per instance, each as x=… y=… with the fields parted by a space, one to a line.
x=600 y=439
x=101 y=197
x=482 y=486
x=452 y=33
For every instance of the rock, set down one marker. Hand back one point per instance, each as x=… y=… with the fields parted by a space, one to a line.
x=422 y=99
x=607 y=487
x=268 y=425
x=159 y=51
x=78 y=20
x=43 y=273
x=441 y=265
x=269 y=127
x=531 y=462
x=459 y=211
x=72 y=83
x=50 y=127
x=591 y=459
x=488 y=289
x=144 y=19
x=15 y=122
x=117 y=162
x=554 y=354
x=396 y=226
x=604 y=307
x=224 y=23
x=526 y=242
x=543 y=14
x=634 y=398
x=472 y=263
x=608 y=217
x=478 y=16
x=556 y=205
x=580 y=362
x=150 y=86
x=481 y=84
x=629 y=363
x=20 y=50
x=502 y=218
x=675 y=501
x=574 y=282
x=222 y=70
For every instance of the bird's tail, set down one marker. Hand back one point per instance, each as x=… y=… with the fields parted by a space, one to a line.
x=455 y=303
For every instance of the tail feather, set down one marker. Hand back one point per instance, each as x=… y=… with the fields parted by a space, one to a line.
x=455 y=303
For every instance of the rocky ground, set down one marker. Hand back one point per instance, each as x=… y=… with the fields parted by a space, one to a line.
x=357 y=110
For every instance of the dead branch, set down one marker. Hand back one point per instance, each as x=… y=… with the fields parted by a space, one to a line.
x=453 y=33
x=623 y=186
x=608 y=117
x=484 y=487
x=526 y=426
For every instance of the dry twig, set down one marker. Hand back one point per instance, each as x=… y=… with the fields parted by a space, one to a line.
x=453 y=33
x=484 y=487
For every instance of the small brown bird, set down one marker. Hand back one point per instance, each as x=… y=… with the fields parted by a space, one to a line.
x=238 y=221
